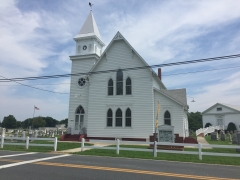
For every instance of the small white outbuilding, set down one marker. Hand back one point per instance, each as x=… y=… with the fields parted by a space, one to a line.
x=223 y=115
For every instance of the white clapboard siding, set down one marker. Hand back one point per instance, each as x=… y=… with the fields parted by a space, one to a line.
x=175 y=109
x=78 y=95
x=120 y=56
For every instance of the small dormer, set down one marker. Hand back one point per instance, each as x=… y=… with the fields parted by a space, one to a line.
x=88 y=41
x=219 y=108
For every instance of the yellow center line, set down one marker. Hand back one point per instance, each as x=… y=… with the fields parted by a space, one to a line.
x=123 y=170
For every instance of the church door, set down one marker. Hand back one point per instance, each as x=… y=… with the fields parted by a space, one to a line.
x=79 y=120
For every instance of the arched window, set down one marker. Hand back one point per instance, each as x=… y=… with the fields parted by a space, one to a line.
x=128 y=86
x=110 y=87
x=167 y=118
x=109 y=118
x=119 y=117
x=128 y=118
x=79 y=118
x=119 y=82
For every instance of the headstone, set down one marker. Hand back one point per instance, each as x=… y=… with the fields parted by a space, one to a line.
x=238 y=142
x=222 y=136
x=16 y=134
x=23 y=134
x=214 y=136
x=3 y=132
x=234 y=139
x=52 y=134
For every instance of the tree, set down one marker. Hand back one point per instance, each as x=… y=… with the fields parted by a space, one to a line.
x=9 y=122
x=38 y=122
x=195 y=121
x=231 y=127
x=19 y=124
x=50 y=122
x=64 y=121
x=208 y=125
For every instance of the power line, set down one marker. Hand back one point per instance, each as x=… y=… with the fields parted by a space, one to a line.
x=140 y=77
x=34 y=87
x=125 y=69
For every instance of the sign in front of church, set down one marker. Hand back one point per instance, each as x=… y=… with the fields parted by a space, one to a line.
x=165 y=133
x=165 y=136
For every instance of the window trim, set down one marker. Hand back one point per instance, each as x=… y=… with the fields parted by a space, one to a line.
x=167 y=118
x=109 y=117
x=128 y=117
x=118 y=117
x=128 y=85
x=119 y=81
x=110 y=87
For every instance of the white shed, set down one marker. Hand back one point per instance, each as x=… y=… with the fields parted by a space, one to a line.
x=223 y=115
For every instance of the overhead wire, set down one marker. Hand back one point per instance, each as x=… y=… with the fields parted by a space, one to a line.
x=124 y=69
x=35 y=87
x=140 y=77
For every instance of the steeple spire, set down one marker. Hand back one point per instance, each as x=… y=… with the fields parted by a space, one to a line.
x=89 y=28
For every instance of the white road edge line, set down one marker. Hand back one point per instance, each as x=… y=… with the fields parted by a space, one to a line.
x=18 y=154
x=32 y=161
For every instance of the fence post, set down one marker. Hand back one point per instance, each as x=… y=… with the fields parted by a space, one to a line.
x=55 y=144
x=200 y=151
x=2 y=141
x=118 y=142
x=82 y=145
x=27 y=142
x=155 y=149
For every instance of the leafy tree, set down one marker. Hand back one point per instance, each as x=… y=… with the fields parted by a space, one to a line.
x=50 y=122
x=208 y=125
x=231 y=127
x=26 y=123
x=0 y=124
x=19 y=124
x=9 y=122
x=64 y=121
x=195 y=121
x=38 y=122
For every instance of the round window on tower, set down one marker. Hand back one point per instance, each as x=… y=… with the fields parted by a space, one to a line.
x=81 y=82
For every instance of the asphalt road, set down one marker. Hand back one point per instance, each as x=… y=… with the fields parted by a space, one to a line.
x=38 y=166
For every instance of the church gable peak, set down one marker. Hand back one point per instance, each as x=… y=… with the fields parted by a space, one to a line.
x=118 y=36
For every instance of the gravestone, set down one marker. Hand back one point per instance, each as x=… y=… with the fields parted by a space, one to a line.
x=214 y=136
x=52 y=135
x=16 y=134
x=23 y=134
x=238 y=142
x=222 y=136
x=3 y=132
x=234 y=139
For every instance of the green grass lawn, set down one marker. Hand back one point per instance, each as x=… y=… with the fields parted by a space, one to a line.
x=163 y=156
x=168 y=156
x=226 y=142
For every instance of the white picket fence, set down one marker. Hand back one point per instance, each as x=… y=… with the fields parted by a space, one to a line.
x=26 y=143
x=155 y=150
x=207 y=130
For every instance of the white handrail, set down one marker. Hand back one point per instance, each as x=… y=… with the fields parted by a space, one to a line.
x=207 y=130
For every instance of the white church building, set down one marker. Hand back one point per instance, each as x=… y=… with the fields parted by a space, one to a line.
x=108 y=100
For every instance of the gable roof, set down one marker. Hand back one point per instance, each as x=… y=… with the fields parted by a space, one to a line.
x=89 y=28
x=119 y=36
x=233 y=107
x=177 y=95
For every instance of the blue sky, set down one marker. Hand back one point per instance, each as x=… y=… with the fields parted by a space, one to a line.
x=36 y=38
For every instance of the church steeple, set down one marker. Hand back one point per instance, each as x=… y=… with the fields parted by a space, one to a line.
x=88 y=40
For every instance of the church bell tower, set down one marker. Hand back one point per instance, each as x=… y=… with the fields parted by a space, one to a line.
x=88 y=40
